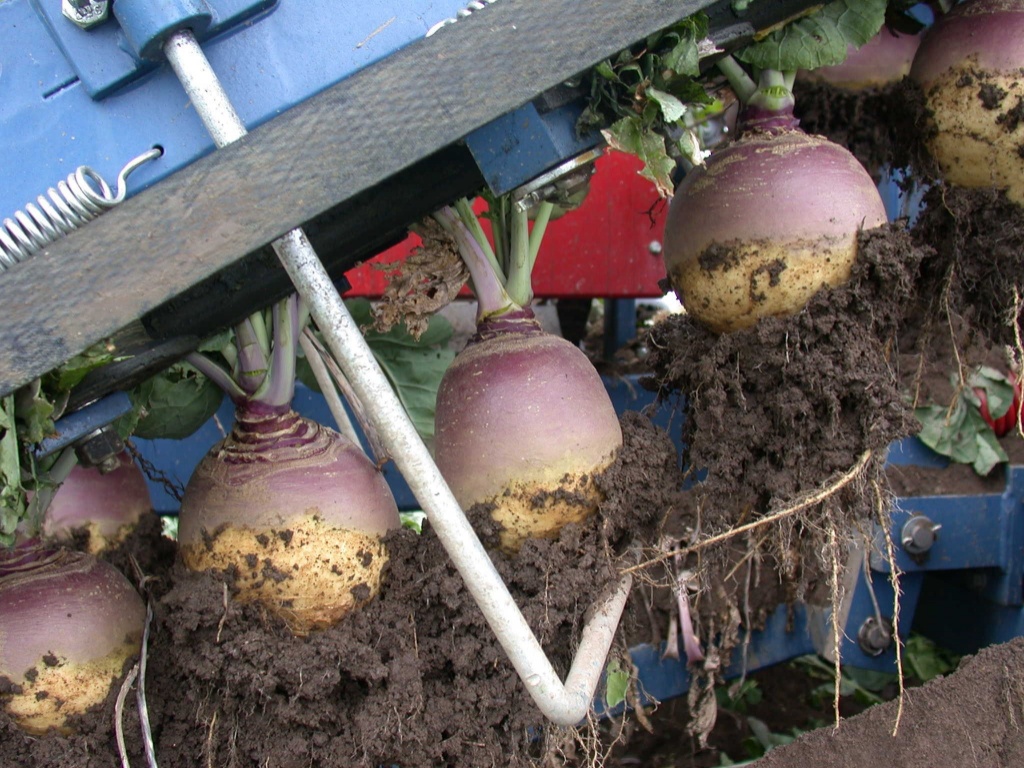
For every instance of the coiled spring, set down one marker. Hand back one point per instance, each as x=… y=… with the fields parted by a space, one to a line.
x=476 y=5
x=79 y=199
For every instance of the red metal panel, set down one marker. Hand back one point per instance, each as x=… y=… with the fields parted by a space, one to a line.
x=610 y=247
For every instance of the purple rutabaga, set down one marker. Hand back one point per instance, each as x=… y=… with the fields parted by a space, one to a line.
x=524 y=423
x=971 y=68
x=294 y=510
x=105 y=506
x=68 y=623
x=772 y=219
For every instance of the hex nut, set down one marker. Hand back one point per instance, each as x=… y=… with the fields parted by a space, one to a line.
x=85 y=14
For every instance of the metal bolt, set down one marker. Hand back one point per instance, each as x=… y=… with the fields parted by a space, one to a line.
x=874 y=637
x=919 y=535
x=85 y=14
x=100 y=449
x=654 y=247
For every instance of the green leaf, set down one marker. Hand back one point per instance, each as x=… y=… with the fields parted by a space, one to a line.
x=997 y=386
x=74 y=370
x=12 y=495
x=818 y=40
x=616 y=684
x=628 y=135
x=672 y=109
x=961 y=434
x=413 y=520
x=35 y=414
x=414 y=367
x=174 y=404
x=926 y=660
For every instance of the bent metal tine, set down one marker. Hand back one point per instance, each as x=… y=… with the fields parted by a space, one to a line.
x=564 y=704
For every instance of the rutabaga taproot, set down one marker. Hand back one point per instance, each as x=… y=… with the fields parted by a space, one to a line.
x=883 y=60
x=68 y=624
x=294 y=510
x=971 y=68
x=524 y=423
x=772 y=218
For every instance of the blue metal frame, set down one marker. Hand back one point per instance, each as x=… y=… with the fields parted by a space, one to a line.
x=73 y=97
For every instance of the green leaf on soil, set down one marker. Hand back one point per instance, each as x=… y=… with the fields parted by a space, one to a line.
x=12 y=495
x=819 y=39
x=616 y=684
x=413 y=520
x=960 y=434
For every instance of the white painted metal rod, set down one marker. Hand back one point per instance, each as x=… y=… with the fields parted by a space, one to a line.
x=564 y=704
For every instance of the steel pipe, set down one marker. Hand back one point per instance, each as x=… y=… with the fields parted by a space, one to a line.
x=563 y=704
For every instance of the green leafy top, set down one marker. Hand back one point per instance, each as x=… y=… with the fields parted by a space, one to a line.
x=819 y=39
x=645 y=93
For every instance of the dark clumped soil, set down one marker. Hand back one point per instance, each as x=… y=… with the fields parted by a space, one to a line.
x=415 y=679
x=972 y=717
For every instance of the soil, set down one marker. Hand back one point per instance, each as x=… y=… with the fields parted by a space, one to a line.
x=414 y=679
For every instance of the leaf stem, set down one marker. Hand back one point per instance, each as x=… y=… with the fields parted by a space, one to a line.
x=217 y=375
x=492 y=298
x=740 y=81
x=468 y=216
x=278 y=387
x=518 y=285
x=540 y=225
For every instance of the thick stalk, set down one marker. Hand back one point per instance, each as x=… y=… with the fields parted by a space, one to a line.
x=518 y=285
x=772 y=95
x=48 y=486
x=217 y=375
x=540 y=225
x=740 y=81
x=472 y=222
x=491 y=296
x=278 y=387
x=251 y=367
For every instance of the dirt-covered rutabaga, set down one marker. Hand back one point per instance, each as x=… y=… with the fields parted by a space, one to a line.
x=68 y=624
x=971 y=68
x=772 y=219
x=296 y=510
x=786 y=212
x=105 y=506
x=524 y=423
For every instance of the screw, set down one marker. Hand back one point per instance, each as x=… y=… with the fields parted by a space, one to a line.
x=85 y=14
x=919 y=535
x=874 y=637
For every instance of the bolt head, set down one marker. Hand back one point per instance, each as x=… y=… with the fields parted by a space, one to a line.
x=99 y=448
x=85 y=14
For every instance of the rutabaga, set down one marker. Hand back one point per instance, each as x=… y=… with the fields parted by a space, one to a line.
x=294 y=510
x=971 y=68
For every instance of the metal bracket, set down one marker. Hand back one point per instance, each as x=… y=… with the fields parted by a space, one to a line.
x=102 y=57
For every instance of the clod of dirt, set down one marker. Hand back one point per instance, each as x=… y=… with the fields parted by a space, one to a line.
x=972 y=717
x=977 y=270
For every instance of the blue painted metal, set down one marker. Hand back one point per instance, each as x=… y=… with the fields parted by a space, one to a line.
x=523 y=144
x=619 y=325
x=73 y=427
x=148 y=24
x=65 y=101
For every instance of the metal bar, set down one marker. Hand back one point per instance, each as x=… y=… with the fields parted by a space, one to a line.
x=564 y=704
